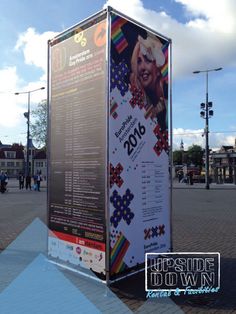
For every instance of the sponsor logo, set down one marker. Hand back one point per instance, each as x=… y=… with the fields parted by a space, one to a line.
x=87 y=253
x=78 y=250
x=69 y=247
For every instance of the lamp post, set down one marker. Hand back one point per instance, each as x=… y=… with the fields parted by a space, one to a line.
x=27 y=116
x=206 y=107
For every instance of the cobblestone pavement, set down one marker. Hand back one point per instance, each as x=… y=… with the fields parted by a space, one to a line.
x=203 y=221
x=18 y=208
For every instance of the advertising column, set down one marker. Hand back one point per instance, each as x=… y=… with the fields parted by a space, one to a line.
x=78 y=146
x=139 y=197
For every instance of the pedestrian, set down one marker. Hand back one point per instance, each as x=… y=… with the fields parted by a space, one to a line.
x=180 y=175
x=3 y=178
x=191 y=178
x=28 y=182
x=38 y=180
x=21 y=179
x=6 y=180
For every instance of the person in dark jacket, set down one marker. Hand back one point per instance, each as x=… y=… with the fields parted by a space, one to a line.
x=21 y=179
x=28 y=182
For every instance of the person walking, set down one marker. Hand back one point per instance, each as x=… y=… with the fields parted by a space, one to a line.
x=191 y=178
x=3 y=178
x=21 y=179
x=38 y=181
x=28 y=182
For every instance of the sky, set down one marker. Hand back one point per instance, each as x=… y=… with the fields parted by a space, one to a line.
x=203 y=37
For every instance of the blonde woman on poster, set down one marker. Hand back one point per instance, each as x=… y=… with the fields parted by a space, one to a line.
x=146 y=63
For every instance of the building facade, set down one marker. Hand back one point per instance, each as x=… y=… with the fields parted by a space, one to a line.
x=12 y=160
x=40 y=163
x=223 y=165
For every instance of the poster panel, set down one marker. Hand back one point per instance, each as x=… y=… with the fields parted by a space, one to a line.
x=78 y=147
x=139 y=196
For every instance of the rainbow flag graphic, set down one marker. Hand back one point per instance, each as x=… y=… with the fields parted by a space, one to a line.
x=164 y=70
x=117 y=35
x=117 y=254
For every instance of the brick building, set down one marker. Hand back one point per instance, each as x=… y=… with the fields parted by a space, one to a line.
x=12 y=159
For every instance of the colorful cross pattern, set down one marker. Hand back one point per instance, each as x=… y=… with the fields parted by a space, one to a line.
x=162 y=140
x=154 y=232
x=138 y=97
x=150 y=113
x=113 y=107
x=122 y=210
x=115 y=175
x=118 y=74
x=117 y=35
x=117 y=254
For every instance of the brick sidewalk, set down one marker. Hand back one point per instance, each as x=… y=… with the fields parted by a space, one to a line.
x=203 y=220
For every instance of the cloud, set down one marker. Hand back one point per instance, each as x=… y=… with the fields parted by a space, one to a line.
x=188 y=136
x=196 y=137
x=13 y=106
x=211 y=16
x=10 y=111
x=34 y=47
x=207 y=40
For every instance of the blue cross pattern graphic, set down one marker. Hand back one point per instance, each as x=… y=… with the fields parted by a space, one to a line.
x=122 y=210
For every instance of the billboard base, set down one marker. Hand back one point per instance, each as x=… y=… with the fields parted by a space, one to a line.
x=82 y=272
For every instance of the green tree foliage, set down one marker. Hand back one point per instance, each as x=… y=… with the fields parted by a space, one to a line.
x=177 y=157
x=38 y=126
x=195 y=155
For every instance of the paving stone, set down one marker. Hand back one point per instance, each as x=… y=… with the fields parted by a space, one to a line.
x=203 y=221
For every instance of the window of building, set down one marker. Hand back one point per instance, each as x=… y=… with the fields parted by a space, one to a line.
x=39 y=164
x=10 y=154
x=10 y=164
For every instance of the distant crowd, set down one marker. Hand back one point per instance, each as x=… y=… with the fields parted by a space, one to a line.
x=27 y=181
x=24 y=181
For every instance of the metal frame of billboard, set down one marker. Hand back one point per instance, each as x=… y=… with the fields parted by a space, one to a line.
x=106 y=13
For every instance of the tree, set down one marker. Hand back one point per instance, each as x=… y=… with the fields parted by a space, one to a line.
x=38 y=127
x=195 y=155
x=177 y=157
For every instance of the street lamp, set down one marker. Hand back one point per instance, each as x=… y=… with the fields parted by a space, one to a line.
x=208 y=113
x=27 y=116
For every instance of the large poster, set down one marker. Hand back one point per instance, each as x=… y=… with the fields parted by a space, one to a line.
x=139 y=197
x=78 y=146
